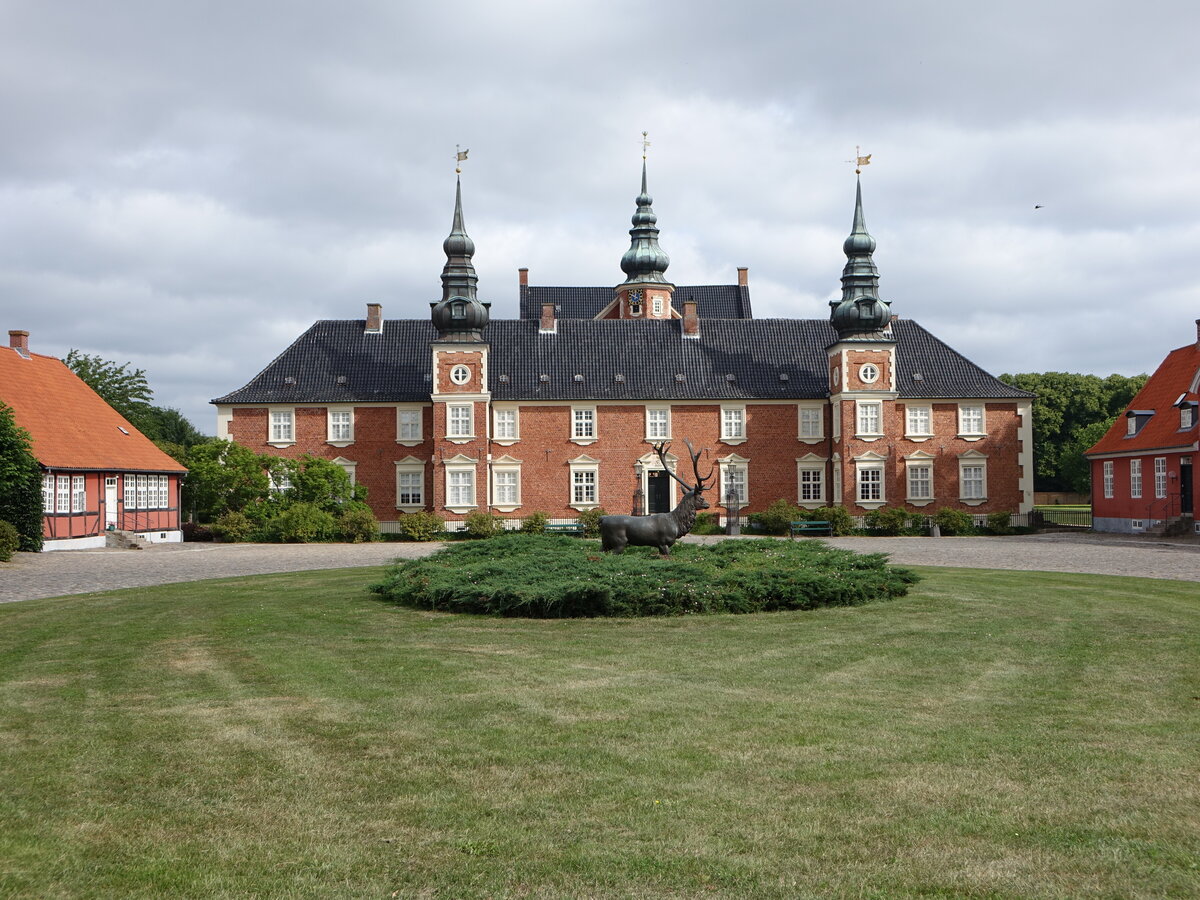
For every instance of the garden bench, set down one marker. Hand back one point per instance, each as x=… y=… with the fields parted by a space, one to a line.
x=565 y=528
x=811 y=527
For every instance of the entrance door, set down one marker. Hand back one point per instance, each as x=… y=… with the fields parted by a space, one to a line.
x=658 y=492
x=1185 y=487
x=110 y=502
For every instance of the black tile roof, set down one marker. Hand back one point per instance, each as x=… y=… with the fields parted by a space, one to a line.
x=713 y=301
x=649 y=355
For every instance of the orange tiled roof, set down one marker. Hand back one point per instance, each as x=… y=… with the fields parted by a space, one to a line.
x=1172 y=378
x=71 y=426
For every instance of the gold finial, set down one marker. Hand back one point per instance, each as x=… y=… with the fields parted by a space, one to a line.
x=459 y=156
x=645 y=143
x=859 y=160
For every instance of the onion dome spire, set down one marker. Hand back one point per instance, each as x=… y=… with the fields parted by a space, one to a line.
x=644 y=262
x=860 y=311
x=459 y=315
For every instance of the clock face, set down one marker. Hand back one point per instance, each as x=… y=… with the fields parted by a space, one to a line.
x=635 y=297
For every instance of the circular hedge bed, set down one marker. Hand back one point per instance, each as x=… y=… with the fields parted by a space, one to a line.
x=563 y=577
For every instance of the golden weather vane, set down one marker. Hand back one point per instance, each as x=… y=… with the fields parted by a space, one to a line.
x=645 y=143
x=459 y=156
x=859 y=160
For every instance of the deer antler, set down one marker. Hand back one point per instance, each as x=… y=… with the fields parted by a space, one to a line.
x=702 y=483
x=661 y=449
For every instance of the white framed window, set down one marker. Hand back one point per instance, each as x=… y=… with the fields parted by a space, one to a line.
x=164 y=492
x=869 y=417
x=733 y=423
x=1185 y=417
x=735 y=479
x=504 y=424
x=47 y=493
x=920 y=481
x=341 y=426
x=409 y=425
x=1131 y=426
x=283 y=426
x=63 y=498
x=918 y=421
x=130 y=482
x=141 y=492
x=870 y=483
x=506 y=487
x=868 y=373
x=583 y=423
x=1108 y=479
x=812 y=422
x=656 y=305
x=460 y=484
x=658 y=423
x=460 y=374
x=78 y=494
x=410 y=483
x=972 y=478
x=1160 y=477
x=1135 y=478
x=836 y=492
x=970 y=420
x=810 y=480
x=585 y=482
x=460 y=420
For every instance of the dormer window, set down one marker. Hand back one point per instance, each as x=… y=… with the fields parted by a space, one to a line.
x=1187 y=412
x=1136 y=420
x=458 y=310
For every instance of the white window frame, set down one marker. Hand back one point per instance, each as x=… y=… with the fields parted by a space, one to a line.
x=63 y=494
x=47 y=494
x=733 y=424
x=1135 y=479
x=584 y=466
x=914 y=463
x=869 y=487
x=656 y=305
x=461 y=484
x=1160 y=477
x=810 y=423
x=349 y=466
x=1186 y=417
x=864 y=410
x=141 y=492
x=281 y=426
x=966 y=423
x=506 y=419
x=735 y=473
x=460 y=426
x=506 y=496
x=810 y=475
x=410 y=425
x=967 y=463
x=1108 y=479
x=658 y=423
x=78 y=494
x=412 y=469
x=584 y=425
x=835 y=492
x=868 y=373
x=460 y=374
x=918 y=422
x=129 y=489
x=340 y=434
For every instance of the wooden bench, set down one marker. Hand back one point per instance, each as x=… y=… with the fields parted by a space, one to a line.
x=811 y=527
x=565 y=528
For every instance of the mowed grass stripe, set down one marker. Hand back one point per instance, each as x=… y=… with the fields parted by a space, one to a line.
x=993 y=734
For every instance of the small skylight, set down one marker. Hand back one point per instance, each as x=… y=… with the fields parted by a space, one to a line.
x=428 y=376
x=731 y=377
x=341 y=379
x=543 y=378
x=122 y=429
x=619 y=378
x=917 y=376
x=679 y=377
x=504 y=379
x=783 y=376
x=289 y=379
x=579 y=378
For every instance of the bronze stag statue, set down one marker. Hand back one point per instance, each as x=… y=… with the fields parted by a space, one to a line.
x=659 y=530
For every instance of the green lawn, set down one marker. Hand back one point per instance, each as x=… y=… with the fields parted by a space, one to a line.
x=993 y=734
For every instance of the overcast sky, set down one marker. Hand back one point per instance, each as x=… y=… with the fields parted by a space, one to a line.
x=187 y=186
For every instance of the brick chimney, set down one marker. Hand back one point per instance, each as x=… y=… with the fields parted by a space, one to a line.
x=743 y=276
x=374 y=318
x=19 y=340
x=1197 y=334
x=549 y=323
x=691 y=319
x=523 y=277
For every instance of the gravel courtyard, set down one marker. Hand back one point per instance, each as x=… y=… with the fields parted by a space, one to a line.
x=33 y=575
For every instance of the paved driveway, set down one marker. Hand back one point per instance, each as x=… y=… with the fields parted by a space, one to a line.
x=32 y=575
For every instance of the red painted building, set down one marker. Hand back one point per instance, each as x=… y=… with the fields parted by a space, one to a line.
x=99 y=473
x=558 y=410
x=1142 y=468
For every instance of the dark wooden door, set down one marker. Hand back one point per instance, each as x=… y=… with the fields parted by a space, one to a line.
x=658 y=492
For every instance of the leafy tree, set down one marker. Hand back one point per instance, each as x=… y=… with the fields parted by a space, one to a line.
x=1074 y=468
x=223 y=476
x=20 y=482
x=125 y=390
x=318 y=481
x=167 y=425
x=1067 y=403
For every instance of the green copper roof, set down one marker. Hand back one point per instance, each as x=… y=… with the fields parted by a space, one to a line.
x=644 y=261
x=859 y=311
x=459 y=315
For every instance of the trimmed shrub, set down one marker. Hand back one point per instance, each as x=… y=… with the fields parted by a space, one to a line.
x=10 y=541
x=838 y=517
x=1000 y=523
x=193 y=532
x=953 y=521
x=590 y=520
x=707 y=523
x=422 y=526
x=888 y=520
x=480 y=524
x=551 y=576
x=304 y=523
x=778 y=517
x=534 y=523
x=357 y=524
x=234 y=527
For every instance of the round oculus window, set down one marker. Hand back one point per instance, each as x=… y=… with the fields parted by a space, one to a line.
x=460 y=374
x=837 y=376
x=869 y=373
